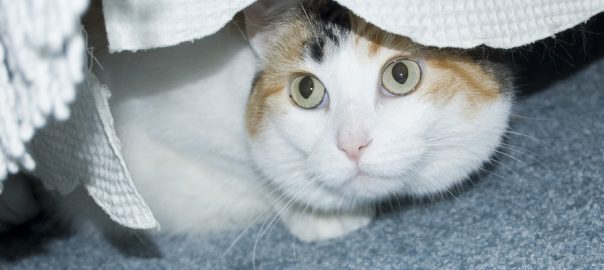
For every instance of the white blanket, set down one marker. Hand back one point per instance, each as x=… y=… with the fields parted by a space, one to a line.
x=86 y=150
x=144 y=24
x=41 y=61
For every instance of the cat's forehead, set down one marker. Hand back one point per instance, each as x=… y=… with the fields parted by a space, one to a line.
x=330 y=27
x=318 y=31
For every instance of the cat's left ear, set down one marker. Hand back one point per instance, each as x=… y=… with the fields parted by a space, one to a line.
x=260 y=18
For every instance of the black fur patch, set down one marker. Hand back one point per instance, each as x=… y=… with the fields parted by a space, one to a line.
x=331 y=13
x=329 y=33
x=317 y=48
x=329 y=22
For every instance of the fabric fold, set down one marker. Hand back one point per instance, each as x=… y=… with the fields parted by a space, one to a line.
x=143 y=24
x=85 y=150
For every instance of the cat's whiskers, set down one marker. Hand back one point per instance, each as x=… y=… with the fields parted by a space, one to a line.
x=442 y=141
x=495 y=161
x=307 y=18
x=512 y=132
x=518 y=116
x=462 y=147
x=502 y=145
x=277 y=214
x=458 y=133
x=528 y=155
x=271 y=219
x=274 y=201
x=505 y=166
x=442 y=188
x=278 y=199
x=240 y=31
x=493 y=173
x=262 y=213
x=262 y=227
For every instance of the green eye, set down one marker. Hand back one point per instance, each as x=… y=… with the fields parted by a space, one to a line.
x=307 y=91
x=401 y=77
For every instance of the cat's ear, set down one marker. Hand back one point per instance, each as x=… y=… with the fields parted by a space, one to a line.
x=259 y=17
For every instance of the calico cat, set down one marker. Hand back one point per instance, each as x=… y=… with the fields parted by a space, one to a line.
x=343 y=115
x=338 y=117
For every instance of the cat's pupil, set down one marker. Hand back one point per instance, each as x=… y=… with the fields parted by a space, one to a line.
x=306 y=87
x=400 y=72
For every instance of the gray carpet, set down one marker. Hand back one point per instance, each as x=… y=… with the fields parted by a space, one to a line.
x=541 y=205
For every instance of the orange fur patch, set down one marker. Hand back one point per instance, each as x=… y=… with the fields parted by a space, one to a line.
x=458 y=75
x=454 y=73
x=377 y=37
x=280 y=62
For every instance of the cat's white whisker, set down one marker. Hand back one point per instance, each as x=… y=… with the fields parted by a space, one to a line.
x=275 y=200
x=494 y=173
x=528 y=155
x=518 y=116
x=277 y=214
x=535 y=139
x=511 y=157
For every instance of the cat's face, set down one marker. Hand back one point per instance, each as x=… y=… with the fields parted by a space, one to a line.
x=343 y=114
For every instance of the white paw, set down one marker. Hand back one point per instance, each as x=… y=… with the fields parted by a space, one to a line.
x=310 y=227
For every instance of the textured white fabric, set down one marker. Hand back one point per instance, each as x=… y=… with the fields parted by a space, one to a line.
x=144 y=24
x=41 y=61
x=85 y=150
x=469 y=23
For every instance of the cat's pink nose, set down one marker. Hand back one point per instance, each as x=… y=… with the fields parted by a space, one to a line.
x=353 y=147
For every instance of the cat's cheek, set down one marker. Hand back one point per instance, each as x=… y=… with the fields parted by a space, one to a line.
x=399 y=139
x=300 y=128
x=290 y=173
x=471 y=142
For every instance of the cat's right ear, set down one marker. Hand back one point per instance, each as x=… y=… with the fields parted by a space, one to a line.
x=259 y=19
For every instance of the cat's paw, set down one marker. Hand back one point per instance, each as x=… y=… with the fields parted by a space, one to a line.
x=309 y=227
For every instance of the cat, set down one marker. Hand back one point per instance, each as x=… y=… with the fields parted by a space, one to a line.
x=315 y=116
x=343 y=115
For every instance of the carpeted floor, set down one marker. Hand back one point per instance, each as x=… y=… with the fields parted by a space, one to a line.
x=541 y=205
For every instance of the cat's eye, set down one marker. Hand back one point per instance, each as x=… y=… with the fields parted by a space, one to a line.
x=401 y=77
x=307 y=91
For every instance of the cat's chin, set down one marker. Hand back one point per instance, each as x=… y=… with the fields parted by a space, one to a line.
x=358 y=190
x=364 y=182
x=372 y=187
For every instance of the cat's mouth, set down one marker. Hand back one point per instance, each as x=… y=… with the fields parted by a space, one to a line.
x=361 y=177
x=366 y=174
x=367 y=178
x=345 y=180
x=368 y=186
x=355 y=185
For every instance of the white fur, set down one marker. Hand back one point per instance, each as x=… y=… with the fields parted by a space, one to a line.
x=180 y=115
x=313 y=226
x=417 y=147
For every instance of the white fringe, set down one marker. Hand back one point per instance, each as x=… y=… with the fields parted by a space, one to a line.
x=41 y=62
